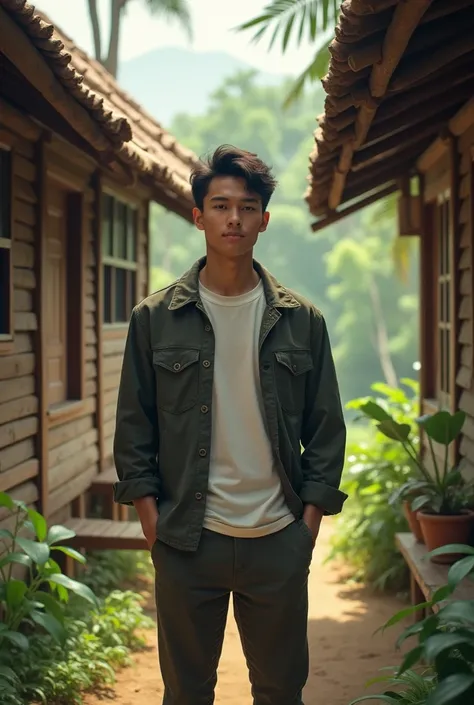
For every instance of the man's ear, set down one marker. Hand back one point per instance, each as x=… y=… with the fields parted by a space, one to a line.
x=265 y=221
x=198 y=219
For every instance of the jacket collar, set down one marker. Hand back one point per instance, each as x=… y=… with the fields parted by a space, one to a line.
x=187 y=288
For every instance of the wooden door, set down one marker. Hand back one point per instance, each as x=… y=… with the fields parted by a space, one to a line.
x=56 y=293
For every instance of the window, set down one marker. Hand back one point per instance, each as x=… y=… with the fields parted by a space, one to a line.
x=444 y=300
x=119 y=259
x=6 y=322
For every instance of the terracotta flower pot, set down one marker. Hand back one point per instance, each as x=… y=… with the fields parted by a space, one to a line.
x=441 y=530
x=413 y=522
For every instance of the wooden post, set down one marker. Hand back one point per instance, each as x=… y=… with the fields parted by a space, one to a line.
x=40 y=347
x=99 y=314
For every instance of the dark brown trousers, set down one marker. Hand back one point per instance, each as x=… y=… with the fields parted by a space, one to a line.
x=268 y=578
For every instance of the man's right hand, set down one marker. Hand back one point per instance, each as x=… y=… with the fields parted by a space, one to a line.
x=147 y=511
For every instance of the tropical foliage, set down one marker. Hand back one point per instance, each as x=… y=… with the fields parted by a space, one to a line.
x=375 y=470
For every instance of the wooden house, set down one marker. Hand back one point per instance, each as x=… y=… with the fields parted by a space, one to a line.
x=80 y=163
x=399 y=117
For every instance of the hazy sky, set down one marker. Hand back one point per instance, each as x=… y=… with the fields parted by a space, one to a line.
x=213 y=22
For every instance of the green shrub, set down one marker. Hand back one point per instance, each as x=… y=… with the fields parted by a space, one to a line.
x=376 y=467
x=439 y=670
x=107 y=569
x=57 y=639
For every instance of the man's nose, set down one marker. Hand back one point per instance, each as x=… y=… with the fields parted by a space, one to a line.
x=234 y=217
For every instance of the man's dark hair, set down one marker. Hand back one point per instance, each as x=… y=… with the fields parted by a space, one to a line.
x=232 y=161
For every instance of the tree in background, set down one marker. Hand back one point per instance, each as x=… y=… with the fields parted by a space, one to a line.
x=177 y=10
x=292 y=22
x=347 y=270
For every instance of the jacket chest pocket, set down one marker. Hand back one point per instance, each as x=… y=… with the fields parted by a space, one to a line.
x=177 y=379
x=290 y=376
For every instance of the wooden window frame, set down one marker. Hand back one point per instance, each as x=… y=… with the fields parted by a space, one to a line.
x=6 y=245
x=76 y=255
x=112 y=260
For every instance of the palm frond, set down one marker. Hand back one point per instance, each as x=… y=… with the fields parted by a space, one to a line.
x=316 y=69
x=178 y=10
x=292 y=20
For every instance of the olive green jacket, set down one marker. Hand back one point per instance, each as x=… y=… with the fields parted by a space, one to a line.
x=164 y=414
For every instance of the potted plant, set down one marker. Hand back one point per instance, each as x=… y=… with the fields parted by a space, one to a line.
x=440 y=496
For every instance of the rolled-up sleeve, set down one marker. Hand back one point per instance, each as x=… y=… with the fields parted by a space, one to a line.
x=323 y=431
x=136 y=431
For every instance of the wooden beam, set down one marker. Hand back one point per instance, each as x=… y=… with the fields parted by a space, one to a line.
x=454 y=261
x=339 y=215
x=19 y=49
x=99 y=314
x=404 y=22
x=471 y=243
x=42 y=313
x=463 y=119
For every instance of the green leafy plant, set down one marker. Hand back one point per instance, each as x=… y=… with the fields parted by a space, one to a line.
x=444 y=491
x=444 y=654
x=375 y=468
x=408 y=688
x=38 y=600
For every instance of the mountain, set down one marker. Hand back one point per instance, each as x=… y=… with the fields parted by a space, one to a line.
x=170 y=80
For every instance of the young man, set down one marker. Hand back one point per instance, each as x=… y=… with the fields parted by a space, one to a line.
x=225 y=372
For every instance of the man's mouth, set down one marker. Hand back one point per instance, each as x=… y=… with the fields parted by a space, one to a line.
x=233 y=235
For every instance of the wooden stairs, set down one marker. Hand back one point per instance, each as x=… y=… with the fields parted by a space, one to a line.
x=113 y=531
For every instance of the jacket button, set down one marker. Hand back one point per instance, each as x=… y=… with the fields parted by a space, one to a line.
x=207 y=328
x=204 y=409
x=198 y=495
x=206 y=363
x=176 y=366
x=203 y=452
x=294 y=367
x=266 y=365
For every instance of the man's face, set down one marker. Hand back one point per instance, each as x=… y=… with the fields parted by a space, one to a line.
x=232 y=218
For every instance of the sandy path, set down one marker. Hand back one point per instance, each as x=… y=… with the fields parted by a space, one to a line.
x=344 y=652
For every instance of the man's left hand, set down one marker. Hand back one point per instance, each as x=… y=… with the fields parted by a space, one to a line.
x=312 y=517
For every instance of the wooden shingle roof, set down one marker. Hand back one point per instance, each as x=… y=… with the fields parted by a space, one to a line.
x=399 y=70
x=118 y=125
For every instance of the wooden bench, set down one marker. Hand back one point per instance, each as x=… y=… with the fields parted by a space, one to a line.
x=425 y=576
x=102 y=484
x=106 y=534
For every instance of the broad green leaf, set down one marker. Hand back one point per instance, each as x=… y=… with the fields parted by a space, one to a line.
x=39 y=524
x=438 y=643
x=443 y=427
x=71 y=552
x=379 y=698
x=451 y=548
x=460 y=570
x=38 y=552
x=51 y=625
x=450 y=689
x=19 y=558
x=5 y=534
x=16 y=639
x=15 y=592
x=7 y=501
x=410 y=659
x=458 y=611
x=442 y=593
x=74 y=586
x=375 y=411
x=407 y=612
x=51 y=605
x=395 y=431
x=421 y=502
x=9 y=674
x=59 y=533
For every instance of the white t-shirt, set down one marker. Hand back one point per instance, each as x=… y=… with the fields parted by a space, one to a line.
x=245 y=497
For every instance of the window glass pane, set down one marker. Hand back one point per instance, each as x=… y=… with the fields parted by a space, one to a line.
x=132 y=292
x=131 y=235
x=5 y=193
x=107 y=225
x=120 y=303
x=5 y=292
x=121 y=231
x=108 y=281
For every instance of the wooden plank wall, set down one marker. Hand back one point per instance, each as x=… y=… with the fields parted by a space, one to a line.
x=19 y=463
x=72 y=445
x=465 y=375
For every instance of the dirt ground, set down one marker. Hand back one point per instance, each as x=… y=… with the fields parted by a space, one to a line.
x=345 y=654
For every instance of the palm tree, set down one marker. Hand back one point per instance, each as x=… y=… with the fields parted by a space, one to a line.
x=169 y=9
x=292 y=22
